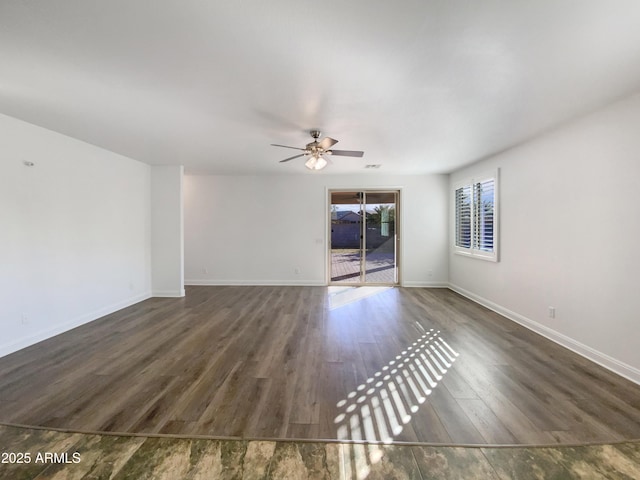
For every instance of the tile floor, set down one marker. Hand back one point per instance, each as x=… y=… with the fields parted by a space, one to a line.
x=71 y=456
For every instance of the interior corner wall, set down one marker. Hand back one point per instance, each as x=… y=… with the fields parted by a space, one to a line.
x=167 y=232
x=569 y=230
x=262 y=230
x=75 y=233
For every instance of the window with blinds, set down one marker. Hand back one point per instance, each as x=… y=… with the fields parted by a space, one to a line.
x=463 y=217
x=475 y=222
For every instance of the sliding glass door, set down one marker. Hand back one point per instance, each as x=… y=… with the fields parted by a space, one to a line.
x=364 y=240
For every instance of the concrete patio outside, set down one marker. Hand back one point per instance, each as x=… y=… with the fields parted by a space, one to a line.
x=380 y=267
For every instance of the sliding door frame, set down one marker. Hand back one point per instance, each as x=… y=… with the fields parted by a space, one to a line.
x=398 y=235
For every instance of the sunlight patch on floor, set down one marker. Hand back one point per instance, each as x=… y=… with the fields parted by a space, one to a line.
x=377 y=410
x=340 y=296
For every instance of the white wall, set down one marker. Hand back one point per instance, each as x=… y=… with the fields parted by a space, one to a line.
x=167 y=250
x=258 y=230
x=74 y=233
x=570 y=231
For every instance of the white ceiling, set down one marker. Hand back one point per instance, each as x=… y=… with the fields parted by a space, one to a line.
x=421 y=86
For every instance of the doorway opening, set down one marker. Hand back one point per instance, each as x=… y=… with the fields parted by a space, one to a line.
x=363 y=245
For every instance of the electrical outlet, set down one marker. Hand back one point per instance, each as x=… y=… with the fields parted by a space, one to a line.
x=24 y=320
x=552 y=312
x=296 y=270
x=205 y=270
x=430 y=273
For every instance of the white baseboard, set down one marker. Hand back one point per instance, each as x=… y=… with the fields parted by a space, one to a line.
x=425 y=284
x=298 y=283
x=251 y=283
x=29 y=340
x=610 y=363
x=168 y=293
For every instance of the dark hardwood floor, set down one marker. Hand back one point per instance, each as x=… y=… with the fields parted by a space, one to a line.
x=390 y=364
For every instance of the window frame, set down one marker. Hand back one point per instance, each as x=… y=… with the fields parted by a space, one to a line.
x=473 y=251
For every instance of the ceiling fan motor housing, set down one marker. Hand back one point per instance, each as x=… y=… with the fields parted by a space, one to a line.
x=313 y=148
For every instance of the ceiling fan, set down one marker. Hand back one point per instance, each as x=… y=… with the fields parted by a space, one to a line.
x=316 y=149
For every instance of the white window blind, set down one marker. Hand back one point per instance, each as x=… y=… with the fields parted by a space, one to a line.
x=483 y=215
x=475 y=222
x=463 y=217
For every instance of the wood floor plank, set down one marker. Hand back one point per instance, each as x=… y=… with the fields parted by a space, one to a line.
x=454 y=419
x=486 y=422
x=538 y=408
x=503 y=404
x=457 y=386
x=410 y=364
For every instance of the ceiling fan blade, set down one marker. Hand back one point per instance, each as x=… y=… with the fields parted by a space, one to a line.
x=346 y=153
x=286 y=146
x=291 y=158
x=327 y=142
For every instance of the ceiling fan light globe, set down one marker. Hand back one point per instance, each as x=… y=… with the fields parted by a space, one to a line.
x=311 y=163
x=320 y=163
